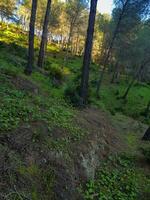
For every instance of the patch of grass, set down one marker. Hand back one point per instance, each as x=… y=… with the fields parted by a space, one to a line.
x=134 y=105
x=58 y=144
x=20 y=106
x=131 y=140
x=14 y=108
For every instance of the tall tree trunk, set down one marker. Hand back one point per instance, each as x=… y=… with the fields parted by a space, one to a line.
x=44 y=35
x=68 y=44
x=110 y=48
x=114 y=73
x=76 y=45
x=128 y=88
x=28 y=69
x=72 y=24
x=147 y=135
x=87 y=54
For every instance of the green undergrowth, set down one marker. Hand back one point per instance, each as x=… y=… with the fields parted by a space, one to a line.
x=63 y=81
x=38 y=176
x=118 y=179
x=14 y=52
x=131 y=131
x=21 y=106
x=134 y=106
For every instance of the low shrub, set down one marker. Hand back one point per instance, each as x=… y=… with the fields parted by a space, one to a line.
x=55 y=71
x=72 y=94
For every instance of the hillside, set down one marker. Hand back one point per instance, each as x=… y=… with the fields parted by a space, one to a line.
x=63 y=82
x=51 y=149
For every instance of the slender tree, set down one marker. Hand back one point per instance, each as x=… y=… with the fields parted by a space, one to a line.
x=107 y=56
x=147 y=135
x=28 y=69
x=74 y=11
x=44 y=35
x=115 y=73
x=135 y=77
x=128 y=11
x=87 y=54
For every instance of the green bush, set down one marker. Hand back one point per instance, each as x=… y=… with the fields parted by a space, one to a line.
x=55 y=71
x=73 y=89
x=72 y=94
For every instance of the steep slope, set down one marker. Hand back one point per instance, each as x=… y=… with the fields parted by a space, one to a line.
x=47 y=147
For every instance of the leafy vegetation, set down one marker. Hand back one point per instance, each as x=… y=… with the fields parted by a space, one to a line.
x=134 y=106
x=117 y=179
x=23 y=107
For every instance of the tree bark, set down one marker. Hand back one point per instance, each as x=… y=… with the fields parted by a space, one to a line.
x=110 y=48
x=29 y=67
x=147 y=135
x=76 y=45
x=44 y=35
x=128 y=89
x=68 y=44
x=87 y=54
x=115 y=73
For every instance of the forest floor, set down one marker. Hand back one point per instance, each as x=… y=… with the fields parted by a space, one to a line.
x=52 y=150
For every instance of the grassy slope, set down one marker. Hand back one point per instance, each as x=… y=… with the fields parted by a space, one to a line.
x=133 y=107
x=11 y=66
x=33 y=103
x=23 y=106
x=135 y=104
